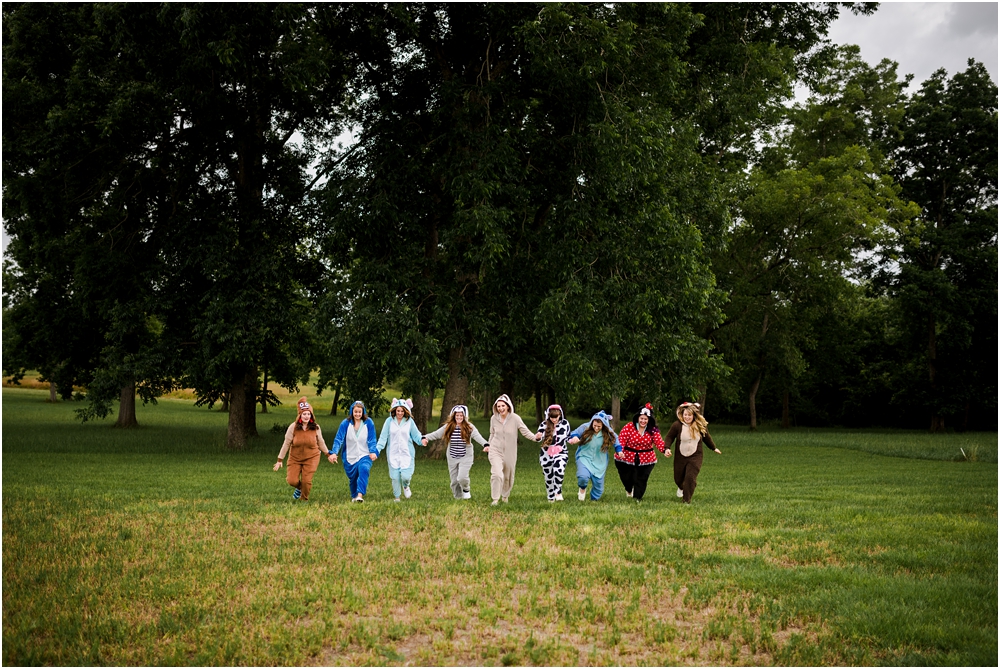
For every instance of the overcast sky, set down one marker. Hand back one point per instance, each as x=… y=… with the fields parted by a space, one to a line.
x=924 y=36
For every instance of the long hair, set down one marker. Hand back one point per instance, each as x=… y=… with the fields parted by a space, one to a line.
x=699 y=423
x=466 y=428
x=590 y=433
x=311 y=425
x=364 y=412
x=406 y=412
x=550 y=427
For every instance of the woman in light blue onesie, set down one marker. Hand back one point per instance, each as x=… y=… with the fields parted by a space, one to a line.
x=399 y=433
x=595 y=439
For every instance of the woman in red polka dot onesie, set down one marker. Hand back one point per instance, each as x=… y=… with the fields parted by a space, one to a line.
x=635 y=452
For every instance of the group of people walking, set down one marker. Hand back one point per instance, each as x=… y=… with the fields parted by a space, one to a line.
x=634 y=449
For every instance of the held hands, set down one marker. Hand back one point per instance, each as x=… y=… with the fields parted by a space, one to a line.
x=574 y=441
x=667 y=452
x=332 y=457
x=372 y=456
x=538 y=436
x=424 y=441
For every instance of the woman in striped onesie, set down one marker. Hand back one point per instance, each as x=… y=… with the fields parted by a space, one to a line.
x=459 y=432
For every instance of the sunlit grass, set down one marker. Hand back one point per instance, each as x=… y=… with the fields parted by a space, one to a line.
x=156 y=546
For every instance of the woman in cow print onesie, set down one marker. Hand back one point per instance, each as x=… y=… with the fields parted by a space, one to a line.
x=553 y=433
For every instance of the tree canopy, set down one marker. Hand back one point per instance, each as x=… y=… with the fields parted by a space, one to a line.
x=583 y=203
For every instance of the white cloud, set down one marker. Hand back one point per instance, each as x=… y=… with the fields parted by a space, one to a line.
x=924 y=36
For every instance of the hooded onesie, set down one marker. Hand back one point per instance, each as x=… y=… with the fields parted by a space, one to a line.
x=399 y=436
x=503 y=448
x=592 y=457
x=357 y=445
x=305 y=443
x=689 y=453
x=554 y=454
x=459 y=453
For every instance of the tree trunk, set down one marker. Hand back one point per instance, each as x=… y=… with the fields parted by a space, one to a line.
x=753 y=400
x=551 y=393
x=456 y=389
x=53 y=397
x=703 y=397
x=422 y=406
x=225 y=402
x=785 y=421
x=242 y=401
x=336 y=399
x=250 y=398
x=263 y=394
x=126 y=406
x=616 y=411
x=538 y=404
x=507 y=386
x=937 y=421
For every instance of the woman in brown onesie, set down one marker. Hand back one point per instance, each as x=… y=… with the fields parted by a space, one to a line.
x=305 y=440
x=690 y=431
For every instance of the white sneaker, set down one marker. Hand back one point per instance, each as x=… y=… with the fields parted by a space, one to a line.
x=406 y=492
x=628 y=494
x=582 y=494
x=396 y=500
x=505 y=499
x=559 y=497
x=680 y=493
x=359 y=498
x=466 y=494
x=495 y=503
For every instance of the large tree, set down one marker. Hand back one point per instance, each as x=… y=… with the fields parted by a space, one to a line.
x=219 y=113
x=528 y=203
x=78 y=184
x=946 y=285
x=816 y=199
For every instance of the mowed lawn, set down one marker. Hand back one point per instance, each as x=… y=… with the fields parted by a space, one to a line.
x=156 y=546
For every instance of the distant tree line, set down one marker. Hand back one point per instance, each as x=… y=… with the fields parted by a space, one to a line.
x=596 y=204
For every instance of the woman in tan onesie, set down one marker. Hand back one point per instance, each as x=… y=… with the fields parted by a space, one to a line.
x=303 y=443
x=504 y=426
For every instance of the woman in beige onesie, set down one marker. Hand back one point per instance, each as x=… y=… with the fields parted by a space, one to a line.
x=504 y=426
x=303 y=443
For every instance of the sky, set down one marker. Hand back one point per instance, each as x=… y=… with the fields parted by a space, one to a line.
x=924 y=36
x=920 y=36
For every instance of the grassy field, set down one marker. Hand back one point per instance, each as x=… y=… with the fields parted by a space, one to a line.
x=803 y=547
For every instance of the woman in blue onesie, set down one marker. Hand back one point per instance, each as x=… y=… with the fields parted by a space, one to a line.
x=356 y=437
x=596 y=439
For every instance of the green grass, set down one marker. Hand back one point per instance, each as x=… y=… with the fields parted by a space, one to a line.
x=803 y=547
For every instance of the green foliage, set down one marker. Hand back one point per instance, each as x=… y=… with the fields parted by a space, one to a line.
x=816 y=201
x=945 y=289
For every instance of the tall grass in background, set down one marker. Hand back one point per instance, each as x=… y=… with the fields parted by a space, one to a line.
x=156 y=546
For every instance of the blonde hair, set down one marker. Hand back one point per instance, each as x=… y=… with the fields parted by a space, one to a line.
x=699 y=423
